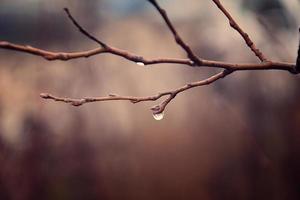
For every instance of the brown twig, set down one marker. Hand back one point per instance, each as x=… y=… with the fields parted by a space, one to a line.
x=83 y=31
x=245 y=36
x=156 y=109
x=49 y=55
x=193 y=60
x=177 y=37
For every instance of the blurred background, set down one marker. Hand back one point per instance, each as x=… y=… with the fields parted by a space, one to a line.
x=238 y=138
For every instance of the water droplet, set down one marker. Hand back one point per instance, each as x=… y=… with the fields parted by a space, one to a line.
x=158 y=116
x=140 y=63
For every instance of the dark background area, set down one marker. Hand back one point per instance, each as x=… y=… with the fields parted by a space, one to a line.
x=238 y=138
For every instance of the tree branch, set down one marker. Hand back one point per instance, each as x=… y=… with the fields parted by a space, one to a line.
x=245 y=36
x=156 y=109
x=64 y=56
x=193 y=60
x=177 y=37
x=83 y=31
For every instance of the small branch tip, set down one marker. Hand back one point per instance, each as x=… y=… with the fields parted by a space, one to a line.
x=44 y=95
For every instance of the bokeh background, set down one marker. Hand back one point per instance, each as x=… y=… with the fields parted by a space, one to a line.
x=238 y=138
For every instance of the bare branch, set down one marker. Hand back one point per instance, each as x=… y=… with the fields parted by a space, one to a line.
x=172 y=94
x=83 y=31
x=245 y=36
x=49 y=55
x=105 y=49
x=156 y=109
x=139 y=59
x=193 y=60
x=270 y=65
x=177 y=37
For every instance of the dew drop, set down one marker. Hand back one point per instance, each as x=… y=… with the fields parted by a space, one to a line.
x=158 y=116
x=140 y=63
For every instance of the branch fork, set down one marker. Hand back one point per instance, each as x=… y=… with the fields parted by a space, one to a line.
x=192 y=60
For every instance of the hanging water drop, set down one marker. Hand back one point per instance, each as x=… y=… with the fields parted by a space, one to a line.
x=158 y=116
x=140 y=63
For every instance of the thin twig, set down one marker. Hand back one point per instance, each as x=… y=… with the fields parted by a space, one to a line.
x=83 y=31
x=245 y=36
x=156 y=109
x=177 y=37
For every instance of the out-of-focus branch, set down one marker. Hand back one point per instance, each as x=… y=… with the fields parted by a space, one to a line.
x=193 y=60
x=298 y=57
